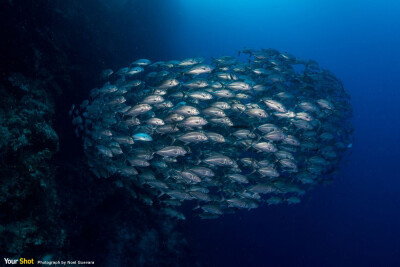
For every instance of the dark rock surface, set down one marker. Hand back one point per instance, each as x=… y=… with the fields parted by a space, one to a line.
x=51 y=206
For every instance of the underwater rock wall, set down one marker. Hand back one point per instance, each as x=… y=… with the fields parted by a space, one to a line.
x=28 y=198
x=51 y=206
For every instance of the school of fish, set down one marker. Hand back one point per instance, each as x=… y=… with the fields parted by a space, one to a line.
x=233 y=134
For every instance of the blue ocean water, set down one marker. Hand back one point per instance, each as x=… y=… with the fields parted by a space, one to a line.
x=354 y=221
x=64 y=45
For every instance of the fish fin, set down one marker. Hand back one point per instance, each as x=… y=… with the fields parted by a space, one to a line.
x=173 y=140
x=187 y=148
x=198 y=161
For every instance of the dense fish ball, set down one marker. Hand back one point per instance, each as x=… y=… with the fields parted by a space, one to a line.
x=228 y=135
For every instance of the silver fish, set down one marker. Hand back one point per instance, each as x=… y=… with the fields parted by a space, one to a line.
x=268 y=171
x=171 y=151
x=153 y=99
x=275 y=105
x=138 y=109
x=265 y=147
x=179 y=194
x=201 y=95
x=194 y=121
x=167 y=84
x=244 y=133
x=268 y=127
x=193 y=137
x=212 y=111
x=202 y=171
x=174 y=118
x=215 y=137
x=222 y=121
x=276 y=135
x=187 y=111
x=219 y=160
x=257 y=113
x=224 y=93
x=325 y=104
x=212 y=208
x=155 y=122
x=240 y=86
x=167 y=128
x=199 y=69
x=238 y=178
x=190 y=62
x=196 y=84
x=200 y=196
x=221 y=105
x=142 y=62
x=237 y=203
x=189 y=176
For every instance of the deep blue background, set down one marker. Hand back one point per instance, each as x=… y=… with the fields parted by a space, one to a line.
x=356 y=220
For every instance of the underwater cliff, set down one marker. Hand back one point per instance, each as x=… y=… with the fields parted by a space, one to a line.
x=51 y=206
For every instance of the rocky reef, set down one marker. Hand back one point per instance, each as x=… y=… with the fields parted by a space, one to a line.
x=51 y=206
x=28 y=144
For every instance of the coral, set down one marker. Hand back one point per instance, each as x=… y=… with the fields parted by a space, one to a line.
x=49 y=51
x=27 y=198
